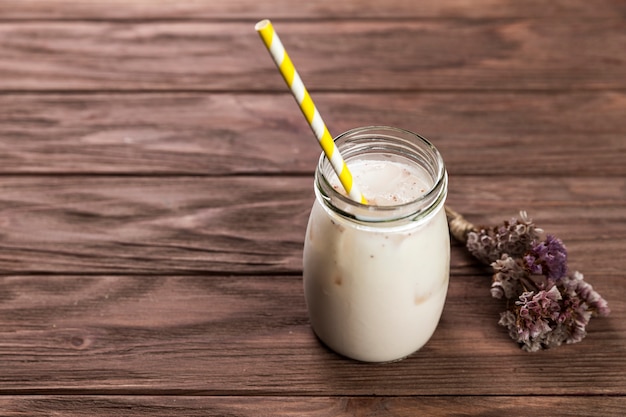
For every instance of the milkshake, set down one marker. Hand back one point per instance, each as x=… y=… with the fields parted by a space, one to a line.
x=376 y=275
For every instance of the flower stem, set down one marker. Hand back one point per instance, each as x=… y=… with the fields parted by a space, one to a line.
x=459 y=226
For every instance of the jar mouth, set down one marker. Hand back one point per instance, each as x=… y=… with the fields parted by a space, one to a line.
x=385 y=143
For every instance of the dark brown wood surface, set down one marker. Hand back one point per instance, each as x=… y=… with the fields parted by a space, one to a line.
x=397 y=55
x=156 y=180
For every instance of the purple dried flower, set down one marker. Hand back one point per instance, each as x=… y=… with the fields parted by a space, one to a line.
x=513 y=238
x=576 y=285
x=552 y=317
x=533 y=319
x=483 y=245
x=551 y=306
x=540 y=306
x=548 y=258
x=574 y=317
x=509 y=273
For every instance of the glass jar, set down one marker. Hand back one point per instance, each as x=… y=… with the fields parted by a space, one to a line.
x=376 y=275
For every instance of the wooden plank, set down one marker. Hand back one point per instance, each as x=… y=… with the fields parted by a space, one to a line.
x=246 y=225
x=285 y=9
x=519 y=54
x=570 y=133
x=112 y=222
x=130 y=406
x=201 y=335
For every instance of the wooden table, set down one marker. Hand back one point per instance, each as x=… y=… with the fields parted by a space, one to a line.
x=156 y=180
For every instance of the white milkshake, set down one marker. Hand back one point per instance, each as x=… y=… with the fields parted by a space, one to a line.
x=376 y=277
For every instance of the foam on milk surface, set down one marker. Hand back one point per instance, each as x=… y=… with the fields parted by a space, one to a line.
x=386 y=183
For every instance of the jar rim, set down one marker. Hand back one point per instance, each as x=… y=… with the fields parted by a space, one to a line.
x=382 y=139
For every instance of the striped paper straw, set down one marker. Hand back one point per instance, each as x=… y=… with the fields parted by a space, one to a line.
x=300 y=93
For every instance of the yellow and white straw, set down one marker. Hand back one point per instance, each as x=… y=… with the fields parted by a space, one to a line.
x=300 y=93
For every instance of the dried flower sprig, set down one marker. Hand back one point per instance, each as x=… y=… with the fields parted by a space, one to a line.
x=547 y=305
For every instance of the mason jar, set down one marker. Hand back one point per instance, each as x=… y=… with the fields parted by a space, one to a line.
x=376 y=275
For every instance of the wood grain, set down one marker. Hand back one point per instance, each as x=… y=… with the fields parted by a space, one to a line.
x=286 y=9
x=77 y=406
x=519 y=54
x=202 y=335
x=532 y=133
x=256 y=224
x=156 y=179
